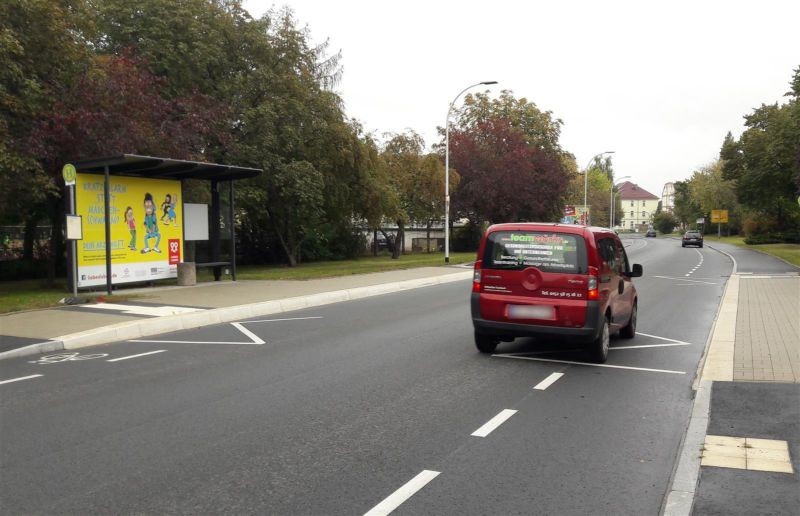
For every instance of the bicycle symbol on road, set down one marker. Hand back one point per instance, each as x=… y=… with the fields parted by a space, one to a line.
x=66 y=357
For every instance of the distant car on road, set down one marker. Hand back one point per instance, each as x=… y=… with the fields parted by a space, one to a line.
x=651 y=233
x=560 y=281
x=692 y=237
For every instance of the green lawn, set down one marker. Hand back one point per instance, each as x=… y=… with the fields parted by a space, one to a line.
x=306 y=271
x=29 y=295
x=788 y=252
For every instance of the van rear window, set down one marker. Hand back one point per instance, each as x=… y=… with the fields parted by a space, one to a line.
x=549 y=252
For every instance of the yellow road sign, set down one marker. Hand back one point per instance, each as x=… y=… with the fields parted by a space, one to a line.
x=718 y=216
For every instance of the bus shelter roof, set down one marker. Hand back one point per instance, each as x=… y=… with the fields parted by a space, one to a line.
x=163 y=168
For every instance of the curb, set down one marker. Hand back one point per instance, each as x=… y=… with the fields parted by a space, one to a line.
x=680 y=497
x=147 y=327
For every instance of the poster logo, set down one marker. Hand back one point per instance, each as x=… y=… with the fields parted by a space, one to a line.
x=174 y=251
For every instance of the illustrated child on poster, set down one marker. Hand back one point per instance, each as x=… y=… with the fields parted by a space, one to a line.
x=150 y=224
x=131 y=223
x=168 y=207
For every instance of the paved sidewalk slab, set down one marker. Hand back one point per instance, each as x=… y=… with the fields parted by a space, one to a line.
x=755 y=410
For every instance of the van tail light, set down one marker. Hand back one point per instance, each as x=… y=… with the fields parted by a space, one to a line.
x=593 y=292
x=476 y=277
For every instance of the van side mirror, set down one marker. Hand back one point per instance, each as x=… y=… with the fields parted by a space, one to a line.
x=637 y=271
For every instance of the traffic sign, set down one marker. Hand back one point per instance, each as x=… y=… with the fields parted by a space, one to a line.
x=718 y=216
x=69 y=174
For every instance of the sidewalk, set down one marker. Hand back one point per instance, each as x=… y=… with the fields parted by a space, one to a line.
x=164 y=309
x=741 y=454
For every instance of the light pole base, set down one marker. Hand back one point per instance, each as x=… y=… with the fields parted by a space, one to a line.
x=446 y=259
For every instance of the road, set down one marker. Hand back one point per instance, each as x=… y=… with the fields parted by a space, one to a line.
x=342 y=405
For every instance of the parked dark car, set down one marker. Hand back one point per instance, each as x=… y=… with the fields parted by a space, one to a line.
x=560 y=281
x=651 y=233
x=692 y=237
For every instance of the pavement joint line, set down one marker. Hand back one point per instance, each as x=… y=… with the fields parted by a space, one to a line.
x=12 y=380
x=589 y=364
x=495 y=422
x=406 y=491
x=547 y=382
x=134 y=330
x=136 y=356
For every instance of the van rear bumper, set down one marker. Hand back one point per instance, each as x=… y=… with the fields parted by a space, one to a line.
x=587 y=333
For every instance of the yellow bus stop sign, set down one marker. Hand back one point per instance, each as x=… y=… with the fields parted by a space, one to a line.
x=719 y=216
x=69 y=174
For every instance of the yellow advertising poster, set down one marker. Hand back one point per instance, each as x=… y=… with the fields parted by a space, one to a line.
x=146 y=229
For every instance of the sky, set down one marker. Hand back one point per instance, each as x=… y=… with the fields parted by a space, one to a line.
x=659 y=83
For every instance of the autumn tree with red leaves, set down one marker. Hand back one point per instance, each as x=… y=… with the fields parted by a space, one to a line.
x=511 y=165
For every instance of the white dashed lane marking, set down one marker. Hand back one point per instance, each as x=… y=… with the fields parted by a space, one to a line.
x=699 y=264
x=493 y=423
x=394 y=500
x=547 y=382
x=21 y=378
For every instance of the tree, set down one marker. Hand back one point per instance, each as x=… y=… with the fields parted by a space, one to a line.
x=503 y=176
x=765 y=161
x=686 y=209
x=664 y=222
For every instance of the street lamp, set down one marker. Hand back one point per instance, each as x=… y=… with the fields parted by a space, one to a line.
x=586 y=179
x=611 y=206
x=447 y=170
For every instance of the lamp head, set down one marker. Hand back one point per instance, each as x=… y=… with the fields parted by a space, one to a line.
x=487 y=83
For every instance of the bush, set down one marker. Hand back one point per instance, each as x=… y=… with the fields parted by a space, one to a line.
x=466 y=238
x=22 y=269
x=665 y=222
x=775 y=237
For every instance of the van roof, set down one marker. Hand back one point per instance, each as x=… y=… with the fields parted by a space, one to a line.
x=574 y=229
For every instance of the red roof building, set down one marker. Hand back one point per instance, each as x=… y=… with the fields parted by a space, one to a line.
x=638 y=205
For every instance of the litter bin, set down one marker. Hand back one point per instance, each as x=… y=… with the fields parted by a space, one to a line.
x=187 y=274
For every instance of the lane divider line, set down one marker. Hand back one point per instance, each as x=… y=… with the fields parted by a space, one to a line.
x=547 y=382
x=136 y=356
x=663 y=338
x=21 y=378
x=591 y=365
x=394 y=500
x=286 y=319
x=493 y=423
x=652 y=346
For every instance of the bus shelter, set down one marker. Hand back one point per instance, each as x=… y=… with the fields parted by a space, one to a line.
x=132 y=221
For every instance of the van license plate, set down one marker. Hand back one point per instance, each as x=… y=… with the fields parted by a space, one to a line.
x=531 y=312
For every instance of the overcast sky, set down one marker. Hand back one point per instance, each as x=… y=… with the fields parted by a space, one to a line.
x=660 y=83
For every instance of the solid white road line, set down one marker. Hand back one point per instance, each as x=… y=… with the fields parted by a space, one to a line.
x=136 y=356
x=591 y=365
x=547 y=382
x=252 y=336
x=287 y=319
x=493 y=423
x=684 y=279
x=21 y=378
x=652 y=346
x=255 y=338
x=394 y=500
x=662 y=338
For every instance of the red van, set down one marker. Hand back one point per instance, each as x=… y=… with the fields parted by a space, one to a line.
x=559 y=281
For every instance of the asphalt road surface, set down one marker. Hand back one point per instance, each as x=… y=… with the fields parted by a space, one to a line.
x=365 y=405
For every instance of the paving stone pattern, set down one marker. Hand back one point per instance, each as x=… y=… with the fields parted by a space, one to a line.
x=767 y=345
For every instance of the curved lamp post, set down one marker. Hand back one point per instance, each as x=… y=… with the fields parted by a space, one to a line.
x=586 y=179
x=447 y=170
x=611 y=206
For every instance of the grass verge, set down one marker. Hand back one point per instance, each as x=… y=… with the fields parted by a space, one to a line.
x=788 y=252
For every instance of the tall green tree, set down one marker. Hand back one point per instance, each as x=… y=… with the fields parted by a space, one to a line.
x=765 y=160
